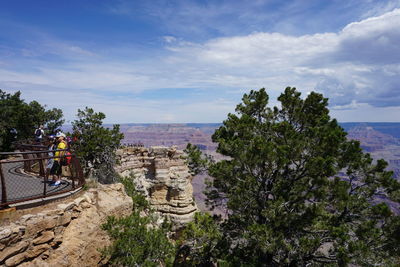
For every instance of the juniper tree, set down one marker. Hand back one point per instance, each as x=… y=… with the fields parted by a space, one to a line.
x=297 y=191
x=96 y=144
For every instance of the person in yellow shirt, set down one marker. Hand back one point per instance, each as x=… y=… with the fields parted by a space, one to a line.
x=56 y=168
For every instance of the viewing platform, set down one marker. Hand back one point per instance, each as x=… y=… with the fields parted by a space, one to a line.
x=24 y=178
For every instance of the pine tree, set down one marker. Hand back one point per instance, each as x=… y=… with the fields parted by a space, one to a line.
x=297 y=191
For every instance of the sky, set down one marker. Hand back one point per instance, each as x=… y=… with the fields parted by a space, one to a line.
x=164 y=61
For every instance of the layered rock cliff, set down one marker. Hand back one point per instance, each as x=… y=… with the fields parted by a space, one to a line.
x=163 y=176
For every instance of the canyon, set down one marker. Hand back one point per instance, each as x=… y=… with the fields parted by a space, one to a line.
x=63 y=233
x=381 y=140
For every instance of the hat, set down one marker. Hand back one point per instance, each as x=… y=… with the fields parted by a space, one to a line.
x=51 y=137
x=60 y=134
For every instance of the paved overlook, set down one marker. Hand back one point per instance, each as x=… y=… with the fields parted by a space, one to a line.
x=23 y=176
x=21 y=185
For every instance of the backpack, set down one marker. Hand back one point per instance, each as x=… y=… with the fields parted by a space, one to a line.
x=68 y=157
x=65 y=161
x=38 y=132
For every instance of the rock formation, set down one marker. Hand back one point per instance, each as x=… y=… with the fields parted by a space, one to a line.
x=163 y=176
x=371 y=140
x=68 y=235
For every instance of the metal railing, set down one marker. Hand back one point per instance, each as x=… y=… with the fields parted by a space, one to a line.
x=24 y=175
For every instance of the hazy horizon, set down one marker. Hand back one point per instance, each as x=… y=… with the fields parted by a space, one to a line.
x=205 y=123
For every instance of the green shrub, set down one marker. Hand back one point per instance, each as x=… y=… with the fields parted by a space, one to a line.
x=137 y=240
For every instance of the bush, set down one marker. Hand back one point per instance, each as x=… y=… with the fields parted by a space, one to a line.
x=198 y=242
x=137 y=240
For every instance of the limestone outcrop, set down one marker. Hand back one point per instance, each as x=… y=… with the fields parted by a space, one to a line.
x=68 y=235
x=163 y=176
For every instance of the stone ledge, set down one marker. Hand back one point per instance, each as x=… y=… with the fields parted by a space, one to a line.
x=62 y=236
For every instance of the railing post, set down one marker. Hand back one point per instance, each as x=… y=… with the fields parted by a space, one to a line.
x=3 y=186
x=79 y=172
x=41 y=166
x=44 y=176
x=73 y=171
x=27 y=164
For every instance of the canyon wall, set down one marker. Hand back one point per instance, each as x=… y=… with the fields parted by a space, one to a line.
x=163 y=176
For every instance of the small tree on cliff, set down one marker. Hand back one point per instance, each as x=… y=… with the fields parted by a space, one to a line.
x=297 y=191
x=95 y=144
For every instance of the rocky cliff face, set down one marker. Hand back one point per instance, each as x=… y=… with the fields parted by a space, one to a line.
x=163 y=176
x=371 y=140
x=379 y=145
x=66 y=235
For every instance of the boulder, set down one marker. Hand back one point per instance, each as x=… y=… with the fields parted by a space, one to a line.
x=13 y=250
x=45 y=237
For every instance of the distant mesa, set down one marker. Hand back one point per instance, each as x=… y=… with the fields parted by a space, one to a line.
x=378 y=143
x=370 y=138
x=171 y=135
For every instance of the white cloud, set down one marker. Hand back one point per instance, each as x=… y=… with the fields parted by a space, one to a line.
x=367 y=113
x=357 y=68
x=356 y=65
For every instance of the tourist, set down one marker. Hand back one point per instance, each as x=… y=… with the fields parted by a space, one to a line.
x=56 y=169
x=50 y=147
x=39 y=133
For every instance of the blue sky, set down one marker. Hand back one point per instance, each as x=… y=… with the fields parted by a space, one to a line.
x=191 y=61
